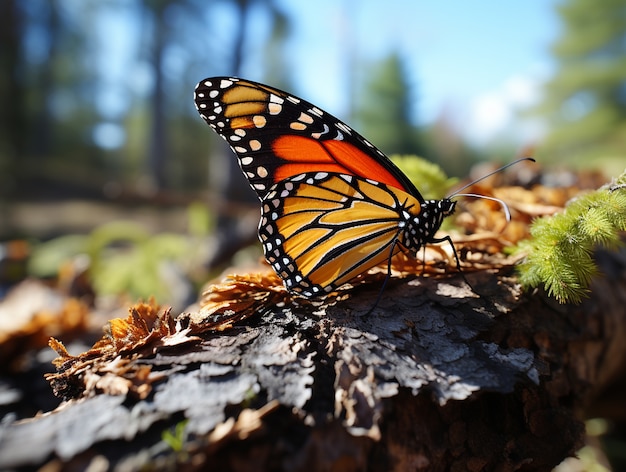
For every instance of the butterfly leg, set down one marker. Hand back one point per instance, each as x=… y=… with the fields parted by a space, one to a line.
x=448 y=239
x=387 y=277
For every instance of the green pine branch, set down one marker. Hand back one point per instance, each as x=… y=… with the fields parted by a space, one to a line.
x=560 y=250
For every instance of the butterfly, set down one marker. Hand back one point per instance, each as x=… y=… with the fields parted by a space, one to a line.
x=332 y=204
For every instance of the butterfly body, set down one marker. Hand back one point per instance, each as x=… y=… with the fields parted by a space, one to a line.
x=332 y=205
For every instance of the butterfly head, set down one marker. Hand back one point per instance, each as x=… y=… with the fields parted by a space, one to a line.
x=446 y=206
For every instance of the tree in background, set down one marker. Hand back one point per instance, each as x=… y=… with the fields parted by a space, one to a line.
x=47 y=96
x=447 y=147
x=60 y=89
x=225 y=175
x=12 y=116
x=187 y=31
x=384 y=115
x=383 y=112
x=585 y=101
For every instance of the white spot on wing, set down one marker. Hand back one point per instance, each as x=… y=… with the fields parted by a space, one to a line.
x=344 y=127
x=305 y=118
x=259 y=121
x=297 y=126
x=274 y=108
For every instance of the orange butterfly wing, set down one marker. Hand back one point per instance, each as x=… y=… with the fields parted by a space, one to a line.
x=321 y=230
x=276 y=136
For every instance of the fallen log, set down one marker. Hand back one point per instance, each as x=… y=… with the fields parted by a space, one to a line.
x=435 y=377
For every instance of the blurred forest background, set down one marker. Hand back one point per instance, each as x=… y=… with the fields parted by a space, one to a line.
x=98 y=123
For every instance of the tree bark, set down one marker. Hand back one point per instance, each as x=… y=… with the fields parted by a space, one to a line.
x=435 y=377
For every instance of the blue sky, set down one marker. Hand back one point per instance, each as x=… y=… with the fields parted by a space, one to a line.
x=474 y=61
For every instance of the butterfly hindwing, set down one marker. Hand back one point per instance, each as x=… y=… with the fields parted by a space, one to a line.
x=276 y=136
x=320 y=230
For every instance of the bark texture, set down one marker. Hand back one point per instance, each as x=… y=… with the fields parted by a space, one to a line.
x=436 y=377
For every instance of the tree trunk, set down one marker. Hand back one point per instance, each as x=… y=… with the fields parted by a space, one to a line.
x=435 y=377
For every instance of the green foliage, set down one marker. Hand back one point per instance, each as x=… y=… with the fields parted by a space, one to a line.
x=126 y=259
x=48 y=257
x=201 y=220
x=250 y=396
x=560 y=251
x=123 y=258
x=176 y=439
x=429 y=178
x=584 y=102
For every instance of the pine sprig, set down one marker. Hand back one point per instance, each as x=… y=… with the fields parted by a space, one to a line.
x=560 y=250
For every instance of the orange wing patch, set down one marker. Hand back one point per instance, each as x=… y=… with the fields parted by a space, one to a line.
x=303 y=154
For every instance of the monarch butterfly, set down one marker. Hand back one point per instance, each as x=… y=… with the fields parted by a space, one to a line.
x=332 y=205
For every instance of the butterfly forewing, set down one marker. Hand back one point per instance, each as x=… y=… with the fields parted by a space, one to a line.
x=277 y=136
x=321 y=230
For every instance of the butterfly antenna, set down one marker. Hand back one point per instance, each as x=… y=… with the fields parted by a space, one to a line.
x=505 y=207
x=456 y=194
